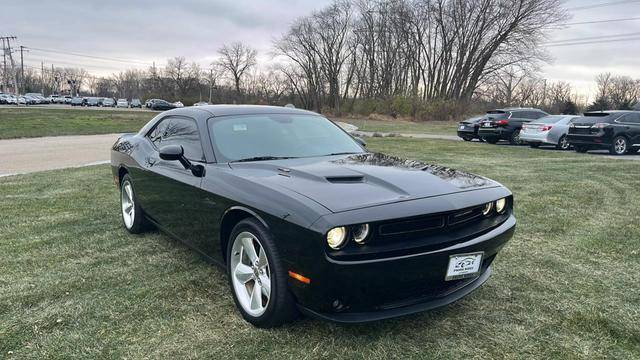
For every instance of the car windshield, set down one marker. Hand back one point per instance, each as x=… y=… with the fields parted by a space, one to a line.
x=278 y=136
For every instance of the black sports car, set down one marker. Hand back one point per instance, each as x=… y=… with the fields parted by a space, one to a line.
x=303 y=217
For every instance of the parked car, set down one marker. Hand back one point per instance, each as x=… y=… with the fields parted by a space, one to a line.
x=136 y=103
x=108 y=102
x=77 y=101
x=149 y=102
x=201 y=103
x=122 y=103
x=4 y=99
x=158 y=104
x=617 y=131
x=549 y=130
x=178 y=104
x=468 y=129
x=93 y=101
x=302 y=216
x=505 y=124
x=67 y=99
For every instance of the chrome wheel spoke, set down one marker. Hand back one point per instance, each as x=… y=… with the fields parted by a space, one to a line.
x=262 y=259
x=243 y=273
x=266 y=285
x=249 y=249
x=256 y=297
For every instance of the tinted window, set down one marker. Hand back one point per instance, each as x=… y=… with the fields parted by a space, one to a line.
x=630 y=118
x=537 y=114
x=178 y=131
x=281 y=135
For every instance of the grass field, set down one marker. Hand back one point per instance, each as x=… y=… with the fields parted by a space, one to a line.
x=403 y=126
x=73 y=283
x=35 y=122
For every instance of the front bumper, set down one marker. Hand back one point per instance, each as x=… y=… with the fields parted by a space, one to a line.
x=370 y=290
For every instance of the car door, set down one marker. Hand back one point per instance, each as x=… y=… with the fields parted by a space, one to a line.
x=631 y=123
x=170 y=193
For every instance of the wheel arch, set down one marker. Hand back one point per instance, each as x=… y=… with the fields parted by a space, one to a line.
x=122 y=171
x=230 y=218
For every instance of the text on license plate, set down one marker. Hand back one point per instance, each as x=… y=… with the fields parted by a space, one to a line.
x=463 y=266
x=486 y=124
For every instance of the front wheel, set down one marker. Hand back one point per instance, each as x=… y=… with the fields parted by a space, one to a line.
x=619 y=146
x=466 y=138
x=581 y=148
x=256 y=276
x=132 y=214
x=563 y=143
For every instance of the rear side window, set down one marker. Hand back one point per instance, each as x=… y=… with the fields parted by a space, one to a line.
x=175 y=130
x=632 y=118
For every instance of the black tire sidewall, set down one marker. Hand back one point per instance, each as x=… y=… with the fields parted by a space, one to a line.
x=281 y=307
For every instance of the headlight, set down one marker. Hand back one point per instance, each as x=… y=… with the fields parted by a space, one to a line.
x=360 y=233
x=486 y=211
x=336 y=237
x=501 y=205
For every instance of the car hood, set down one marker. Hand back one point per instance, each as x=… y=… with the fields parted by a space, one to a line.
x=341 y=183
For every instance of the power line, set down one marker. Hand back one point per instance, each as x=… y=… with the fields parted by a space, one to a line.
x=104 y=58
x=594 y=42
x=593 y=38
x=585 y=7
x=601 y=21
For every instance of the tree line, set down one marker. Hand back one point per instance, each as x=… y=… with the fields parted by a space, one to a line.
x=419 y=58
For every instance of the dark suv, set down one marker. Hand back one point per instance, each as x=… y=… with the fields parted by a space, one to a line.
x=505 y=124
x=617 y=131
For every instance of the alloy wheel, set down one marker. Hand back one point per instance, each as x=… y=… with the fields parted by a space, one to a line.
x=564 y=143
x=250 y=273
x=620 y=145
x=128 y=206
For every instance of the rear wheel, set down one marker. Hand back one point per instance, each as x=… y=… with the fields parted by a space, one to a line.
x=466 y=138
x=515 y=138
x=132 y=214
x=256 y=276
x=619 y=146
x=491 y=140
x=563 y=143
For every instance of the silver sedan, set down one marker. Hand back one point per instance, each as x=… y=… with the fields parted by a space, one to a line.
x=549 y=130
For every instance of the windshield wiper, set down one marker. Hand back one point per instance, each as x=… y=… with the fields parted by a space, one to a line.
x=263 y=158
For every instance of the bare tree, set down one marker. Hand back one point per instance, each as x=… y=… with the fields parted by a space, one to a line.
x=236 y=58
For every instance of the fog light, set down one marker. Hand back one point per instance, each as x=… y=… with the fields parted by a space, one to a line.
x=486 y=211
x=360 y=233
x=501 y=205
x=336 y=237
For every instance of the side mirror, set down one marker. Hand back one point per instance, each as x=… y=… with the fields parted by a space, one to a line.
x=176 y=152
x=360 y=141
x=171 y=152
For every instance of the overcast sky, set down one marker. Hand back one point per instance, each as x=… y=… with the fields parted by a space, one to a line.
x=148 y=31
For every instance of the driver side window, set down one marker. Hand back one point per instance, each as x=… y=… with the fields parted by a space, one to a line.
x=178 y=131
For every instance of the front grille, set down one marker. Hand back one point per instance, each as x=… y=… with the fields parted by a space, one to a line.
x=429 y=224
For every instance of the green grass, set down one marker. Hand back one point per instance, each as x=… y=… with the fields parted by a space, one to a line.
x=35 y=122
x=403 y=126
x=73 y=283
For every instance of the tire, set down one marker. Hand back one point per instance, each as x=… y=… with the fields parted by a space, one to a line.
x=581 y=148
x=534 y=145
x=492 y=141
x=563 y=143
x=619 y=146
x=132 y=215
x=466 y=139
x=246 y=270
x=514 y=139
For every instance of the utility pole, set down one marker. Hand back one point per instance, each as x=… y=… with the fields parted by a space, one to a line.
x=6 y=49
x=42 y=77
x=210 y=84
x=22 y=49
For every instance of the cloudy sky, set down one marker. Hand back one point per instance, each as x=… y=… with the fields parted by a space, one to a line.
x=146 y=31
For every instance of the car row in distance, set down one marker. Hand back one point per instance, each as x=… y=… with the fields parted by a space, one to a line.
x=26 y=99
x=617 y=131
x=159 y=104
x=105 y=102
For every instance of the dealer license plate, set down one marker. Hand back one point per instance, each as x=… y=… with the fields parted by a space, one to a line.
x=463 y=266
x=486 y=124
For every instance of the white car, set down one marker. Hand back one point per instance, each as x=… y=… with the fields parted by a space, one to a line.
x=178 y=104
x=122 y=103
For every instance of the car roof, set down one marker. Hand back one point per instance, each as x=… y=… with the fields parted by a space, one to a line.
x=609 y=111
x=518 y=108
x=225 y=110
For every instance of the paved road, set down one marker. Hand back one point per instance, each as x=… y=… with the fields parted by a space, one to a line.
x=19 y=156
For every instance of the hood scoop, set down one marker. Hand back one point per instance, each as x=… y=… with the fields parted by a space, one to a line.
x=345 y=179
